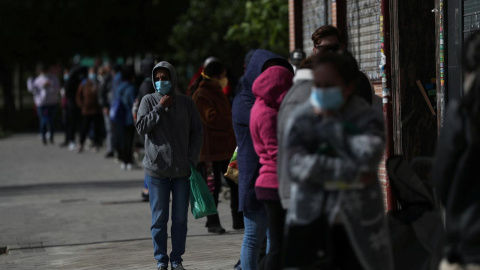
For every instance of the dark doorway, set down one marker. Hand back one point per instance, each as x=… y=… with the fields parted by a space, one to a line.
x=414 y=59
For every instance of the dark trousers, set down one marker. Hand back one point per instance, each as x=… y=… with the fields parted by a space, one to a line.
x=117 y=138
x=219 y=168
x=318 y=246
x=46 y=114
x=126 y=152
x=73 y=121
x=88 y=120
x=276 y=223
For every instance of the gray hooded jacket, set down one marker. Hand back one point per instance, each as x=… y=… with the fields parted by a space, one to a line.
x=173 y=135
x=325 y=157
x=297 y=95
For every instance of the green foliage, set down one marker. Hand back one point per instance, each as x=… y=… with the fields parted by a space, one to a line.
x=265 y=26
x=199 y=33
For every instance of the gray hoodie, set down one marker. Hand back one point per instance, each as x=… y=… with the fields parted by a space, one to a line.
x=173 y=135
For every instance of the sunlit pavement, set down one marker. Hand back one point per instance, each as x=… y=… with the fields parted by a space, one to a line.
x=63 y=210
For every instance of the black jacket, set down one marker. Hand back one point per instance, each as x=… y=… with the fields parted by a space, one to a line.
x=457 y=182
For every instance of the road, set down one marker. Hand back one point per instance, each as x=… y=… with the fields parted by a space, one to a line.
x=63 y=210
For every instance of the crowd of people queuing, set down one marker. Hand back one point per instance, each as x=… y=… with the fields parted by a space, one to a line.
x=309 y=138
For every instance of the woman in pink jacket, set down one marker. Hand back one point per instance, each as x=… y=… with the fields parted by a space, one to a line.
x=269 y=89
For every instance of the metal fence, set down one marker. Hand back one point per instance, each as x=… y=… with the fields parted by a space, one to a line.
x=471 y=16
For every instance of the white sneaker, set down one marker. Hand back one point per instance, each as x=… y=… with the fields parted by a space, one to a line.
x=71 y=146
x=129 y=167
x=123 y=166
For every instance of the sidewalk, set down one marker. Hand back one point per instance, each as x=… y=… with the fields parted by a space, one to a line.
x=63 y=210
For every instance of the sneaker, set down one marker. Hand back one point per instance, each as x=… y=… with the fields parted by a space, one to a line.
x=109 y=155
x=162 y=268
x=80 y=149
x=123 y=166
x=178 y=267
x=129 y=166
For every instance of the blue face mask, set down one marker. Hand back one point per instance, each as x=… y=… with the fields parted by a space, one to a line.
x=65 y=77
x=327 y=99
x=163 y=87
x=92 y=76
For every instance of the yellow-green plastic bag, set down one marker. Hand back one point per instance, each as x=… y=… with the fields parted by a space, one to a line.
x=201 y=200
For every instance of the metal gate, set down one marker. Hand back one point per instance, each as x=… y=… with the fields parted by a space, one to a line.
x=315 y=14
x=471 y=16
x=363 y=30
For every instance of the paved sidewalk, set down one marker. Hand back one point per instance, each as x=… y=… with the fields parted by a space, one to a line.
x=63 y=210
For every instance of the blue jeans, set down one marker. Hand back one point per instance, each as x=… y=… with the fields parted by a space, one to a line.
x=46 y=115
x=254 y=235
x=159 y=191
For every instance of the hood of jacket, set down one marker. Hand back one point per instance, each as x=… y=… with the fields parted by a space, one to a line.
x=146 y=67
x=254 y=69
x=272 y=85
x=173 y=74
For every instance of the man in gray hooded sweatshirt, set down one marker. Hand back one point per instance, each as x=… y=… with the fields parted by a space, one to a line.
x=173 y=139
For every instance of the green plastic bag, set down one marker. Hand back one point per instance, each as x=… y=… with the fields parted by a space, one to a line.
x=201 y=200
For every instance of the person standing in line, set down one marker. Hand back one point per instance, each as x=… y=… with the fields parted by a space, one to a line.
x=46 y=93
x=76 y=76
x=105 y=99
x=334 y=143
x=219 y=138
x=454 y=171
x=63 y=104
x=146 y=87
x=116 y=128
x=255 y=217
x=269 y=89
x=173 y=134
x=325 y=38
x=87 y=101
x=127 y=92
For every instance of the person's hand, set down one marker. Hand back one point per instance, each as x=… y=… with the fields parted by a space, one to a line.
x=166 y=101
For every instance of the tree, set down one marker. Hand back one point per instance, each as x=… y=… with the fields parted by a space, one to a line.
x=265 y=26
x=199 y=33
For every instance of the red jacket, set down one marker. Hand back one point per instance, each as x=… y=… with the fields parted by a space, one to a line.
x=269 y=89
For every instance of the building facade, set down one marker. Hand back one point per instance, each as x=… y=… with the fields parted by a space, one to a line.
x=411 y=50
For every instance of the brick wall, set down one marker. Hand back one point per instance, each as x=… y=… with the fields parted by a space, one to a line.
x=334 y=13
x=291 y=25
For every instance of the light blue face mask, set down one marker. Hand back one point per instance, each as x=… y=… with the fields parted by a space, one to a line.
x=163 y=87
x=327 y=99
x=92 y=76
x=65 y=77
